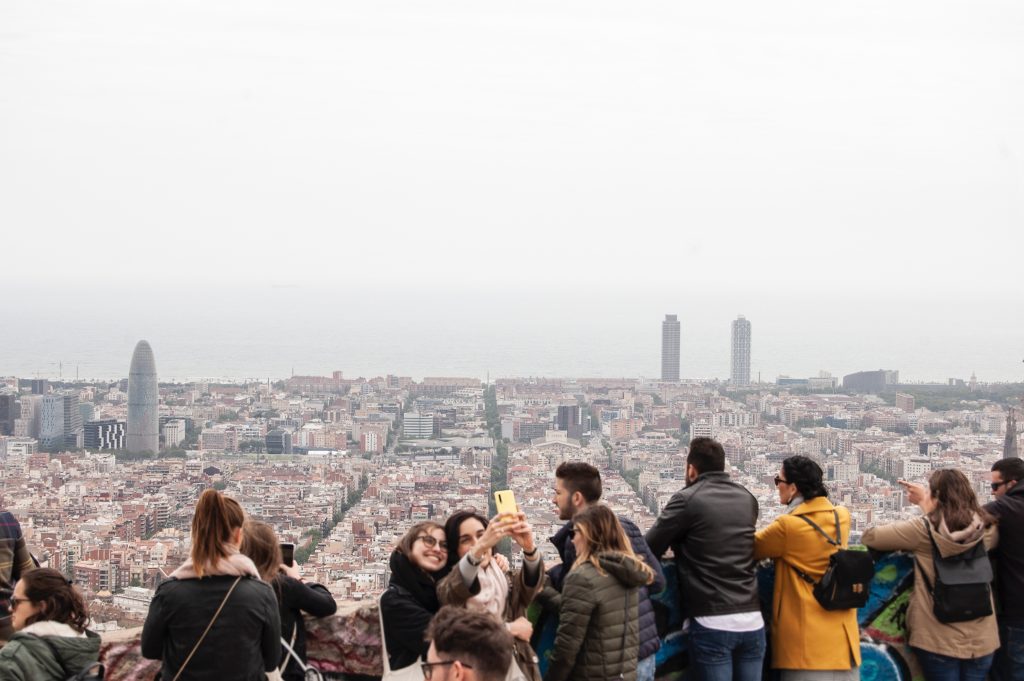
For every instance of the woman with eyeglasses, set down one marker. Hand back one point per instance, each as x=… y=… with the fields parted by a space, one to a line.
x=50 y=641
x=953 y=524
x=481 y=584
x=808 y=642
x=410 y=600
x=598 y=633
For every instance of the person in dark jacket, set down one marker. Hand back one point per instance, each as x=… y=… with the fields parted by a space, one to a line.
x=51 y=642
x=598 y=635
x=1008 y=510
x=410 y=600
x=294 y=596
x=710 y=527
x=577 y=486
x=244 y=641
x=15 y=561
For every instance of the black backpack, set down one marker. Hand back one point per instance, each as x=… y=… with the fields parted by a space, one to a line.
x=962 y=590
x=846 y=583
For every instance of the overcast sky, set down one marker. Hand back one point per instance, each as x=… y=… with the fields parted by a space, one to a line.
x=716 y=144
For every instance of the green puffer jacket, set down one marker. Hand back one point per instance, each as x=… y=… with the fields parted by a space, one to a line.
x=64 y=653
x=598 y=613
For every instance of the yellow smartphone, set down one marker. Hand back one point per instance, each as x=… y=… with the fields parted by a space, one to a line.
x=505 y=502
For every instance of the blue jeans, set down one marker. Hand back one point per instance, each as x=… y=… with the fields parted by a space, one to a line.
x=944 y=668
x=645 y=668
x=1009 y=662
x=726 y=655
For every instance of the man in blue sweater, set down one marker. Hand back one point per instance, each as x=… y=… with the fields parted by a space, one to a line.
x=578 y=485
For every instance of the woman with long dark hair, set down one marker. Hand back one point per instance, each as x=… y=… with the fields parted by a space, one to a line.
x=294 y=596
x=598 y=633
x=953 y=524
x=410 y=601
x=214 y=618
x=808 y=642
x=50 y=641
x=478 y=582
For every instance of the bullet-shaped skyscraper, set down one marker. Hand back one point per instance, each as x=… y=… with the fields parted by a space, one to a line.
x=143 y=398
x=670 y=348
x=740 y=352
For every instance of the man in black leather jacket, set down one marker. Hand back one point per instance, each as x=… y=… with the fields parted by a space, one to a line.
x=1008 y=509
x=710 y=527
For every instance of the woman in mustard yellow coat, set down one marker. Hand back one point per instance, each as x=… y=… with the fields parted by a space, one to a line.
x=808 y=643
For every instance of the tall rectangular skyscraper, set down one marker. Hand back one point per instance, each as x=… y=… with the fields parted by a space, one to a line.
x=740 y=352
x=670 y=348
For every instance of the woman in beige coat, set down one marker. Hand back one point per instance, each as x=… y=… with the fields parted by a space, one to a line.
x=960 y=651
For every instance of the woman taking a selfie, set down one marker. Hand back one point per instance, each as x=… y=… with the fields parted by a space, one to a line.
x=410 y=600
x=294 y=596
x=50 y=641
x=478 y=582
x=214 y=618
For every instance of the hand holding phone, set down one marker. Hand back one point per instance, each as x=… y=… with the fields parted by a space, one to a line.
x=916 y=492
x=505 y=502
x=288 y=553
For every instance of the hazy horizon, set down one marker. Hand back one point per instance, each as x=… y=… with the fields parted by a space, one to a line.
x=516 y=189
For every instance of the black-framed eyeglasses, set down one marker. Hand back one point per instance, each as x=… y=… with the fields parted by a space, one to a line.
x=16 y=601
x=428 y=667
x=431 y=542
x=780 y=481
x=997 y=485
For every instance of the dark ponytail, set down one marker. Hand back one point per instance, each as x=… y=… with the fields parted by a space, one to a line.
x=806 y=474
x=216 y=518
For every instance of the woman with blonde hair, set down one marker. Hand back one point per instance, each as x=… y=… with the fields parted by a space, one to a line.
x=598 y=633
x=214 y=618
x=953 y=524
x=294 y=596
x=410 y=601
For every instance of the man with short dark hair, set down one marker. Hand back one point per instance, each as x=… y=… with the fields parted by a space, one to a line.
x=1008 y=509
x=466 y=645
x=577 y=486
x=710 y=526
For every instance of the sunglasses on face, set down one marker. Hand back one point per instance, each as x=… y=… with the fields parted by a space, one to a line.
x=428 y=667
x=780 y=481
x=997 y=485
x=431 y=542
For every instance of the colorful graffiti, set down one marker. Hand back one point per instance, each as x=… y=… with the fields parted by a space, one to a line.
x=884 y=649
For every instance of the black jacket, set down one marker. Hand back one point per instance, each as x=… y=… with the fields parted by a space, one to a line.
x=1009 y=555
x=295 y=598
x=710 y=527
x=405 y=623
x=407 y=606
x=649 y=640
x=244 y=643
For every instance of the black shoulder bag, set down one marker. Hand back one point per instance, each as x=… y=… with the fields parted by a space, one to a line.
x=846 y=583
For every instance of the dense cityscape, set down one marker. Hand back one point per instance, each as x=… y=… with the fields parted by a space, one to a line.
x=103 y=476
